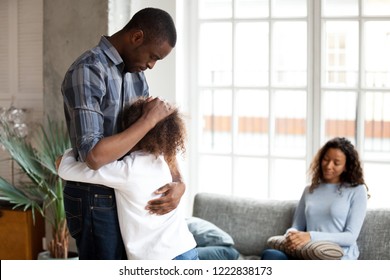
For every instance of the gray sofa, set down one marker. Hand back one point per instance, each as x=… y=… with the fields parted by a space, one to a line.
x=250 y=222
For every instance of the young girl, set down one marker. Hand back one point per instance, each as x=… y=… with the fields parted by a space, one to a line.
x=134 y=179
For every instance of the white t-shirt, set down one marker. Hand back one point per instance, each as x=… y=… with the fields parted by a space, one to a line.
x=135 y=178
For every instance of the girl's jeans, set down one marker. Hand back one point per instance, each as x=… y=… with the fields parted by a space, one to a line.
x=189 y=255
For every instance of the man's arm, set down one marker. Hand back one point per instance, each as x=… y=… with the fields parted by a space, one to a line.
x=112 y=148
x=171 y=193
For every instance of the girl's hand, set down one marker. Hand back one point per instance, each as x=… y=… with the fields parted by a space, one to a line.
x=58 y=161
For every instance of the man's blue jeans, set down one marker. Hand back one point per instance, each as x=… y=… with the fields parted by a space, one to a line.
x=93 y=221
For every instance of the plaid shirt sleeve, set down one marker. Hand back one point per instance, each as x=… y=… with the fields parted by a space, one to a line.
x=83 y=91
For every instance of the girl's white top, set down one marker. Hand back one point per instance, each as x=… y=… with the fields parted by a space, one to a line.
x=135 y=178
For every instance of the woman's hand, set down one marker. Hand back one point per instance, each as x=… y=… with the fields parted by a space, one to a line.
x=297 y=239
x=170 y=199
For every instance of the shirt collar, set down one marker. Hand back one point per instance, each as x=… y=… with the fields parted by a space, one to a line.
x=111 y=52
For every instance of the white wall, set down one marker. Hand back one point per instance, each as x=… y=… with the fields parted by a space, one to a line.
x=69 y=28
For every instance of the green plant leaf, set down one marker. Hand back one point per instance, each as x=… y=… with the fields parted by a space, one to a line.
x=43 y=191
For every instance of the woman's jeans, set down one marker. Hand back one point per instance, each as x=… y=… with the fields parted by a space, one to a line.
x=93 y=221
x=272 y=254
x=189 y=255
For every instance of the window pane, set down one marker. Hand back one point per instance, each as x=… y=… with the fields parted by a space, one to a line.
x=377 y=54
x=377 y=126
x=214 y=174
x=376 y=7
x=216 y=111
x=290 y=54
x=215 y=52
x=290 y=123
x=251 y=8
x=289 y=8
x=252 y=111
x=340 y=8
x=374 y=176
x=215 y=9
x=251 y=177
x=341 y=63
x=251 y=53
x=289 y=179
x=340 y=115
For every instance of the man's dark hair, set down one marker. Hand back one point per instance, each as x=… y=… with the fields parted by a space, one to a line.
x=157 y=25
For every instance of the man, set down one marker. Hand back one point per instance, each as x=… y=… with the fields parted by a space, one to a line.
x=96 y=88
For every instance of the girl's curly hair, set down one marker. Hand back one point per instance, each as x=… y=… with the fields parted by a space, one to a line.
x=166 y=138
x=353 y=174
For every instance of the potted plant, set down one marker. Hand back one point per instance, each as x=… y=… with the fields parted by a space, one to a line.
x=41 y=190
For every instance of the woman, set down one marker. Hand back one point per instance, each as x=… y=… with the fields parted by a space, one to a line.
x=334 y=206
x=134 y=178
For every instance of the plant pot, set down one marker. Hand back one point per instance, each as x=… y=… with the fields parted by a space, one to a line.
x=45 y=255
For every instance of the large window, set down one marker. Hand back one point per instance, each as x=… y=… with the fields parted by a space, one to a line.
x=276 y=79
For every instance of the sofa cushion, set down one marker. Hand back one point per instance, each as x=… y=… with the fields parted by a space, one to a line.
x=207 y=234
x=218 y=253
x=250 y=222
x=314 y=250
x=374 y=240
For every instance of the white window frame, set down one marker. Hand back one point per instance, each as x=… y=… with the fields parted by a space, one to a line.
x=315 y=120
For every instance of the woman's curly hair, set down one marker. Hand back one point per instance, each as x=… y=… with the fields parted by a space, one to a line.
x=353 y=174
x=166 y=138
